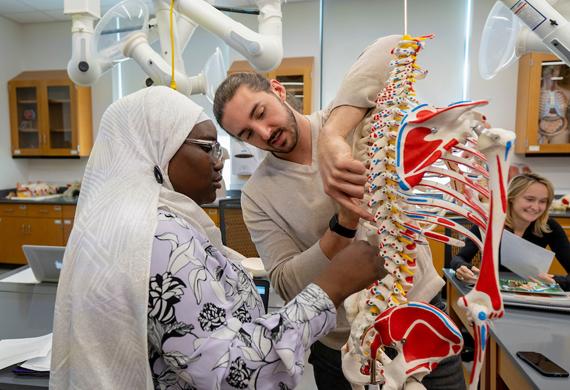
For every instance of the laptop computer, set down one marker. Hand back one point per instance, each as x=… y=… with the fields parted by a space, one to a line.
x=45 y=261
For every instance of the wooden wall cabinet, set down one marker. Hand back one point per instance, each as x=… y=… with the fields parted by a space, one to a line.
x=33 y=224
x=543 y=96
x=49 y=115
x=295 y=73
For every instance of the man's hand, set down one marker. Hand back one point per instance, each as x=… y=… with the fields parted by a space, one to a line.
x=343 y=176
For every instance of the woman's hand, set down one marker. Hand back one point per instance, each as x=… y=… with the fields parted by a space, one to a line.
x=352 y=269
x=467 y=275
x=544 y=278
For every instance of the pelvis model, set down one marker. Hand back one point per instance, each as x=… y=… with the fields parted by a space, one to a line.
x=415 y=151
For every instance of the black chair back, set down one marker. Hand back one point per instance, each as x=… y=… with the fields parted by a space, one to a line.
x=234 y=232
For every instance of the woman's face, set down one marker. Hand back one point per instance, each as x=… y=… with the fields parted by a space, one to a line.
x=193 y=171
x=531 y=204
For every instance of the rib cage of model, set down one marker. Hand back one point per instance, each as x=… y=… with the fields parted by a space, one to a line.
x=407 y=145
x=123 y=33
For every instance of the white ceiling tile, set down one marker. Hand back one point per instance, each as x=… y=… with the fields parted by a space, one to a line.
x=11 y=6
x=30 y=17
x=30 y=11
x=44 y=5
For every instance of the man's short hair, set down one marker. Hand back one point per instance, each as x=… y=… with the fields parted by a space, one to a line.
x=227 y=89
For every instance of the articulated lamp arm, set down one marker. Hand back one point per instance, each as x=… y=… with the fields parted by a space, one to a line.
x=263 y=49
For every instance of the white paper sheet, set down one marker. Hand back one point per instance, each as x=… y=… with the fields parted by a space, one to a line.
x=41 y=363
x=523 y=257
x=14 y=351
x=24 y=276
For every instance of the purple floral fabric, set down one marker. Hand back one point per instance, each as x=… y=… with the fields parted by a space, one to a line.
x=205 y=324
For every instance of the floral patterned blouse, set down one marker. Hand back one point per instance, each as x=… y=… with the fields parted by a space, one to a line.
x=205 y=324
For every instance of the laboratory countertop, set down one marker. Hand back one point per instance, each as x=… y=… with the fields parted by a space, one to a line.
x=531 y=328
x=61 y=200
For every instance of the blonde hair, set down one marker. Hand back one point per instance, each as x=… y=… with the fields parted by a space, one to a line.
x=518 y=185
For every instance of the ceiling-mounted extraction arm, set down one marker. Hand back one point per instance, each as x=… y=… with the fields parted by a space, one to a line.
x=516 y=27
x=123 y=33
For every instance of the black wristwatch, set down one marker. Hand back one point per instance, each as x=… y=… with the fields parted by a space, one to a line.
x=336 y=227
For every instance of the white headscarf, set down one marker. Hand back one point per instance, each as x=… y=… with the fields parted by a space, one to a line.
x=100 y=324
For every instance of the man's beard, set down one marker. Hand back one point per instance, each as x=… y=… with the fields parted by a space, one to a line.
x=291 y=127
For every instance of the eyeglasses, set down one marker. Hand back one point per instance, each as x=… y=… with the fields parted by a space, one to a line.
x=213 y=148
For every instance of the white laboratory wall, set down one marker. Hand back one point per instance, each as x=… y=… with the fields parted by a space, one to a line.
x=350 y=26
x=11 y=170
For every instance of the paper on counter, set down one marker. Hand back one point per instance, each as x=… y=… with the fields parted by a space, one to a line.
x=41 y=363
x=13 y=351
x=523 y=257
x=24 y=276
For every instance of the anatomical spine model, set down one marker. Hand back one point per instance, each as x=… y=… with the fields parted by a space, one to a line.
x=408 y=143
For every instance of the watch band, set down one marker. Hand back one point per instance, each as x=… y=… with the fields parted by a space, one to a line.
x=336 y=227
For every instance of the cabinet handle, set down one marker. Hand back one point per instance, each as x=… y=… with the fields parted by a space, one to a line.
x=57 y=208
x=22 y=207
x=29 y=228
x=57 y=221
x=44 y=211
x=23 y=229
x=67 y=222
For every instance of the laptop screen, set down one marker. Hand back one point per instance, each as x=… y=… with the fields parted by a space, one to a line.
x=45 y=261
x=262 y=286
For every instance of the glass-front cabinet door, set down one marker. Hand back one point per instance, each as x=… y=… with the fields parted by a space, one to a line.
x=28 y=134
x=543 y=109
x=60 y=118
x=49 y=115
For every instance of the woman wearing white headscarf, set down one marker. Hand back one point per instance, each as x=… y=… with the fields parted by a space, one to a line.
x=148 y=295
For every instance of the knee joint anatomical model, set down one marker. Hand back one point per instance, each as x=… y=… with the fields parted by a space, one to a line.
x=410 y=147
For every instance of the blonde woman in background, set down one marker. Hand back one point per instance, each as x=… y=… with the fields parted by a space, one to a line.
x=529 y=197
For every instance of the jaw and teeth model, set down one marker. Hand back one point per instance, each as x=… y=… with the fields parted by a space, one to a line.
x=405 y=145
